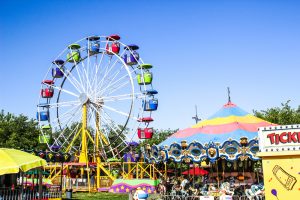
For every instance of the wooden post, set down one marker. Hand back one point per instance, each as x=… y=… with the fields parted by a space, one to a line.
x=137 y=170
x=166 y=174
x=40 y=184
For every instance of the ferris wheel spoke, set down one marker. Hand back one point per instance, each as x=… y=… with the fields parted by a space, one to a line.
x=73 y=133
x=105 y=72
x=118 y=87
x=118 y=135
x=111 y=79
x=61 y=135
x=63 y=90
x=71 y=113
x=86 y=73
x=109 y=67
x=119 y=112
x=97 y=128
x=108 y=88
x=63 y=104
x=109 y=123
x=121 y=97
x=95 y=78
x=78 y=73
x=119 y=131
x=71 y=78
x=97 y=111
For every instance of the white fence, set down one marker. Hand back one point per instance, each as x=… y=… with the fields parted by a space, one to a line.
x=19 y=194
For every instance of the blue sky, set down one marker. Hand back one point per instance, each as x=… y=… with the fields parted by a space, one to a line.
x=198 y=48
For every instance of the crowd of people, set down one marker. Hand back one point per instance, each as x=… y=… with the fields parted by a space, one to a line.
x=199 y=186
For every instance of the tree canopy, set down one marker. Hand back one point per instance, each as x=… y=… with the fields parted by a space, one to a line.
x=18 y=132
x=283 y=115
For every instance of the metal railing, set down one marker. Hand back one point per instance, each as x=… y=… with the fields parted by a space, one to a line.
x=28 y=194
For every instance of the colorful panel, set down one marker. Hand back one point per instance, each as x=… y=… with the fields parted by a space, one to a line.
x=125 y=186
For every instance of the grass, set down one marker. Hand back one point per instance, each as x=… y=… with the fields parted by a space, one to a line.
x=98 y=196
x=103 y=196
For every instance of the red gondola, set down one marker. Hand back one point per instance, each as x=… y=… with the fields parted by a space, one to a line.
x=113 y=48
x=47 y=92
x=145 y=133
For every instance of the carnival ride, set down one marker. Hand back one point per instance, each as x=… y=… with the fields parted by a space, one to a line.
x=95 y=99
x=226 y=144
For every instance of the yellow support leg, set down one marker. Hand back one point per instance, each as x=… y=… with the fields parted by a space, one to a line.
x=83 y=152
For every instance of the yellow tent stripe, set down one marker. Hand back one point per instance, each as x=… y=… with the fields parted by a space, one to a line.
x=249 y=119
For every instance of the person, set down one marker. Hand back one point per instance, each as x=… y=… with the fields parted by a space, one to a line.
x=93 y=178
x=183 y=185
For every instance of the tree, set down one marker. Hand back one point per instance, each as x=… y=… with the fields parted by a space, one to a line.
x=283 y=115
x=18 y=132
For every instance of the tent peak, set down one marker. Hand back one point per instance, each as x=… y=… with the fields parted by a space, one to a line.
x=229 y=105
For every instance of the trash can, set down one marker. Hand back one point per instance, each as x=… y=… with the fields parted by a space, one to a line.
x=69 y=193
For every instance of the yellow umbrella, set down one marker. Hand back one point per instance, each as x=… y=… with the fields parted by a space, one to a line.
x=12 y=161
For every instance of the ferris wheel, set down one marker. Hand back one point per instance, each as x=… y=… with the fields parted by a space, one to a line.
x=96 y=96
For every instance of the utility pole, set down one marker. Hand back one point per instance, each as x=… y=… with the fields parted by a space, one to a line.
x=196 y=118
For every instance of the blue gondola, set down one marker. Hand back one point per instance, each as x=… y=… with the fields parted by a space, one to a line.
x=42 y=116
x=150 y=92
x=150 y=105
x=94 y=45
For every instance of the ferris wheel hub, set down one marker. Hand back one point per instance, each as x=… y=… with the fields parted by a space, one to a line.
x=83 y=98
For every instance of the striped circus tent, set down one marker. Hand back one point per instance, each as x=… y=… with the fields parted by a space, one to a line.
x=229 y=133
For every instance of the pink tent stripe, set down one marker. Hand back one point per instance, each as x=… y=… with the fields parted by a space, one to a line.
x=220 y=129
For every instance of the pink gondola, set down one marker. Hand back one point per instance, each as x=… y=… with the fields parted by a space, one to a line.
x=145 y=133
x=47 y=92
x=113 y=48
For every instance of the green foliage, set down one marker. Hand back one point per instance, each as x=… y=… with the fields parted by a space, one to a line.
x=18 y=132
x=283 y=115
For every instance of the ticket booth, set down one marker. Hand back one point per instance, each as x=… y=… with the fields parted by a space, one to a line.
x=279 y=148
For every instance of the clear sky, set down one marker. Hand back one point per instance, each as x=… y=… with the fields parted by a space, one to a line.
x=198 y=48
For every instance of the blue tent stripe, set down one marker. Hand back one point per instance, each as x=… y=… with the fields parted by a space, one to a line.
x=225 y=112
x=206 y=138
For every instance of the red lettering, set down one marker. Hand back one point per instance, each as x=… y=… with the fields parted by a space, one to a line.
x=271 y=137
x=298 y=134
x=281 y=138
x=276 y=139
x=292 y=137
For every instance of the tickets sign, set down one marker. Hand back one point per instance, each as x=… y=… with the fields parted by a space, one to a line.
x=279 y=138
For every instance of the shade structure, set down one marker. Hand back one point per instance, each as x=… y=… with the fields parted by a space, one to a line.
x=195 y=171
x=12 y=161
x=230 y=133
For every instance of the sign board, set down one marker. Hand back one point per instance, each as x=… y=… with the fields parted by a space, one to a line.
x=279 y=138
